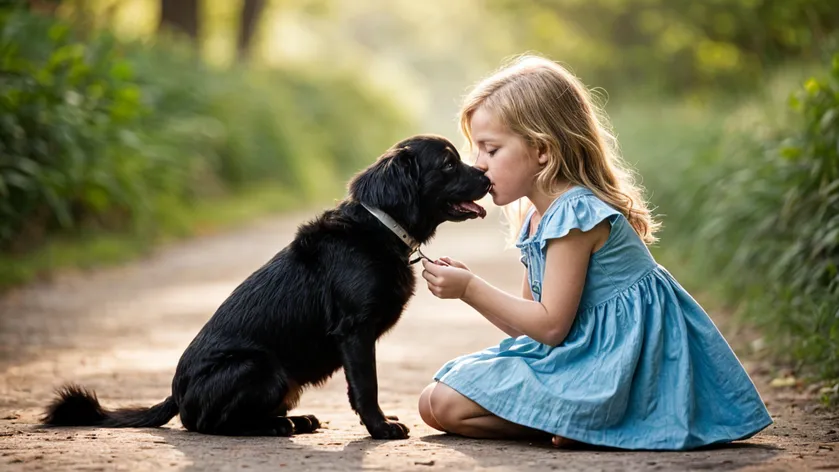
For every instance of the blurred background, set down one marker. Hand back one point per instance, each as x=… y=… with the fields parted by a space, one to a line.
x=126 y=123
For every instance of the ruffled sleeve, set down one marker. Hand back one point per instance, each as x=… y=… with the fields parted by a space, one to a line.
x=582 y=211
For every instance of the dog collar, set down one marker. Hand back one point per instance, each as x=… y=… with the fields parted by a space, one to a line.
x=392 y=225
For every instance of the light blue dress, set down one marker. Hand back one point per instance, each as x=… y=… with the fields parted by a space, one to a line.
x=643 y=366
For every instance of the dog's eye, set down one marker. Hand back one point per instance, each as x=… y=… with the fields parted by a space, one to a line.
x=448 y=167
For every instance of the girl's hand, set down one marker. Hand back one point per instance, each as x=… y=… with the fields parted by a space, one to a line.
x=446 y=277
x=451 y=262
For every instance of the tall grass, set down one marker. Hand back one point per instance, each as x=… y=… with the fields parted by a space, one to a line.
x=749 y=195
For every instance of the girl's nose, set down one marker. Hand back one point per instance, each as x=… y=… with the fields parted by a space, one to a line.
x=480 y=163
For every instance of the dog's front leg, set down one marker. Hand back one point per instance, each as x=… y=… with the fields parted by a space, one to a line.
x=359 y=360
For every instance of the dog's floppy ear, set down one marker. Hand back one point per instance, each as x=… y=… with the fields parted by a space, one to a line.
x=391 y=183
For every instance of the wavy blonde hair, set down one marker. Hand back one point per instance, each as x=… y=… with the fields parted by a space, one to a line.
x=553 y=111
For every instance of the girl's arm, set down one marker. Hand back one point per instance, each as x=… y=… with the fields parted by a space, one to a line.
x=525 y=288
x=495 y=321
x=503 y=326
x=548 y=321
x=526 y=295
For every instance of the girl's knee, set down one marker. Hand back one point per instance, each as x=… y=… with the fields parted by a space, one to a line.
x=446 y=407
x=425 y=407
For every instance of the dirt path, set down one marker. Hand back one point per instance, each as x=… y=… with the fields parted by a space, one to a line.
x=121 y=332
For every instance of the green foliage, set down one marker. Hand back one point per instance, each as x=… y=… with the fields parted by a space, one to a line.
x=674 y=45
x=750 y=201
x=97 y=248
x=61 y=104
x=95 y=133
x=782 y=212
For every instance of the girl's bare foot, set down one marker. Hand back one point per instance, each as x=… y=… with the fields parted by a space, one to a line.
x=559 y=441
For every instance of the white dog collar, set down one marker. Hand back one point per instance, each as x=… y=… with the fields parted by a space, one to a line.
x=393 y=226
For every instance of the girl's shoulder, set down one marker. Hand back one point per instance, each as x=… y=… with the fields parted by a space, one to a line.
x=577 y=208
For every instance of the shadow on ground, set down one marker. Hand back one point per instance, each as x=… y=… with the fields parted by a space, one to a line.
x=509 y=453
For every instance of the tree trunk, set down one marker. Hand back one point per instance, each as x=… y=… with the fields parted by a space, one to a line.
x=251 y=12
x=180 y=15
x=43 y=6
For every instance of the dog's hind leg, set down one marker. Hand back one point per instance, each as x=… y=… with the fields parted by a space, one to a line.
x=237 y=396
x=303 y=424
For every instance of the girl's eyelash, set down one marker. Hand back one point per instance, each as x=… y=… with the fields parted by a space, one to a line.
x=492 y=153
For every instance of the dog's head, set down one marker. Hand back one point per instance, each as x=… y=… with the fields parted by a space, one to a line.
x=421 y=182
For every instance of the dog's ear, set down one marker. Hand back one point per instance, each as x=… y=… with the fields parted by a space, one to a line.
x=401 y=156
x=391 y=183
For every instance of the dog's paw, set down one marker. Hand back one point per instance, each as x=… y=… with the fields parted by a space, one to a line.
x=389 y=417
x=304 y=424
x=282 y=426
x=389 y=430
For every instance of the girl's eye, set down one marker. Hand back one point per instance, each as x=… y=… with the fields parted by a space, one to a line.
x=492 y=152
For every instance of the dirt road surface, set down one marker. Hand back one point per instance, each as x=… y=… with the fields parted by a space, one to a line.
x=121 y=332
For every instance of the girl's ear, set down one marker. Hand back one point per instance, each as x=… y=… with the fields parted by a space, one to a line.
x=542 y=156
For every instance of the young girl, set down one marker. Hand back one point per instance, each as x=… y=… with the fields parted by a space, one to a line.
x=605 y=347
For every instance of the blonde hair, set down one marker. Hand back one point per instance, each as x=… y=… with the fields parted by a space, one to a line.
x=553 y=111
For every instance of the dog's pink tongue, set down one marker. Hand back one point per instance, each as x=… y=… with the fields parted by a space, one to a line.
x=473 y=207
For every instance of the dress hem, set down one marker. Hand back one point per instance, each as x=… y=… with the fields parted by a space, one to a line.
x=585 y=436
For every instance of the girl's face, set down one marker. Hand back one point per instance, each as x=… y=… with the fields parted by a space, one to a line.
x=510 y=163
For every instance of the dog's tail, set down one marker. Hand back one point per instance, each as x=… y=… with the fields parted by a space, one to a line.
x=77 y=406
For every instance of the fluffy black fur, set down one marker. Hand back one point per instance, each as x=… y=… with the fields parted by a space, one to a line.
x=318 y=305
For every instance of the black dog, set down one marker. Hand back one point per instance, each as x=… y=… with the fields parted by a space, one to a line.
x=318 y=305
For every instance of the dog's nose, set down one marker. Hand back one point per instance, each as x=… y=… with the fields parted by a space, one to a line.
x=485 y=182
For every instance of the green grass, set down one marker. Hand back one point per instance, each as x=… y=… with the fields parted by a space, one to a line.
x=724 y=177
x=95 y=249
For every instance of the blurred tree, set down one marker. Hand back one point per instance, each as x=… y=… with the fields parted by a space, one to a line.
x=675 y=45
x=251 y=13
x=41 y=6
x=180 y=15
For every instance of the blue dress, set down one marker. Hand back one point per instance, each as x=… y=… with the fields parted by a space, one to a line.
x=643 y=366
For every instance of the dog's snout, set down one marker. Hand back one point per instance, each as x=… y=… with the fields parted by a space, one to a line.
x=484 y=179
x=478 y=171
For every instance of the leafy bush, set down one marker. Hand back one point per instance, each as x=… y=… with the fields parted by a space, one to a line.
x=750 y=203
x=779 y=216
x=69 y=133
x=99 y=133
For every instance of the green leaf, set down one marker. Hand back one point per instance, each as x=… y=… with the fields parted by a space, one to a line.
x=59 y=207
x=21 y=181
x=122 y=70
x=58 y=31
x=793 y=102
x=28 y=166
x=790 y=152
x=812 y=86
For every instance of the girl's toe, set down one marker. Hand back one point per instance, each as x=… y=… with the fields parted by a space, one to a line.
x=559 y=441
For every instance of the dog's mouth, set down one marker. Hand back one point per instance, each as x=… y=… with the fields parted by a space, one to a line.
x=466 y=210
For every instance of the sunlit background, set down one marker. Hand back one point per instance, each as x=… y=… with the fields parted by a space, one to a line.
x=127 y=123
